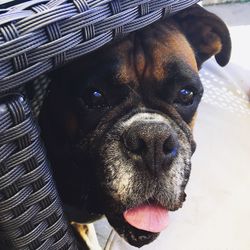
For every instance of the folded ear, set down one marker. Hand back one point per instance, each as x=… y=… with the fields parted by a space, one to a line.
x=207 y=34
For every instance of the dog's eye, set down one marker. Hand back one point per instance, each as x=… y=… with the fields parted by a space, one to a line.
x=94 y=98
x=185 y=96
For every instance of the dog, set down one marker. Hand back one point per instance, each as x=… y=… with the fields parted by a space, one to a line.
x=117 y=123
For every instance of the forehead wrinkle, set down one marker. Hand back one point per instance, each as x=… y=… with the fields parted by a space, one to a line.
x=140 y=62
x=143 y=55
x=131 y=61
x=166 y=44
x=123 y=53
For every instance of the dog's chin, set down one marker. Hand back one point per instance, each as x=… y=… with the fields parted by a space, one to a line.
x=133 y=235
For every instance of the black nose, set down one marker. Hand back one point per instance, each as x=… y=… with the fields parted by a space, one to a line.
x=154 y=143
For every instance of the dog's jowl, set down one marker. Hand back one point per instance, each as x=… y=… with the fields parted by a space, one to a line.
x=117 y=123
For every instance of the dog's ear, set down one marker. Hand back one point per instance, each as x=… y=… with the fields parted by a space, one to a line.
x=207 y=34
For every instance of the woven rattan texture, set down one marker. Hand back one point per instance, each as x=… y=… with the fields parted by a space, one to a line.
x=31 y=215
x=39 y=35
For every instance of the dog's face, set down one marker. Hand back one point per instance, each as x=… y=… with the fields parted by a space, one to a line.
x=120 y=124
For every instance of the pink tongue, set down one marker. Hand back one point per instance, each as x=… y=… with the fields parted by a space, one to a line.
x=151 y=218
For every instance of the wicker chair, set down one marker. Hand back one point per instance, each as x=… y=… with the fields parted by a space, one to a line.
x=35 y=37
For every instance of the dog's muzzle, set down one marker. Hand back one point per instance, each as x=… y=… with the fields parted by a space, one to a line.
x=146 y=165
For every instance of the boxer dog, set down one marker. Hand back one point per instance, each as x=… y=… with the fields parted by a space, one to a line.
x=117 y=123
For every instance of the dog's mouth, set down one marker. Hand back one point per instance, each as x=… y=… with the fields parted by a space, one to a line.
x=149 y=217
x=142 y=223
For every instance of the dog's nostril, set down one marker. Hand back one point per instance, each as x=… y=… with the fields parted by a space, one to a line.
x=134 y=144
x=170 y=146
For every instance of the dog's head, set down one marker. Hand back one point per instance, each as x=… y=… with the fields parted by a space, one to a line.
x=118 y=122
